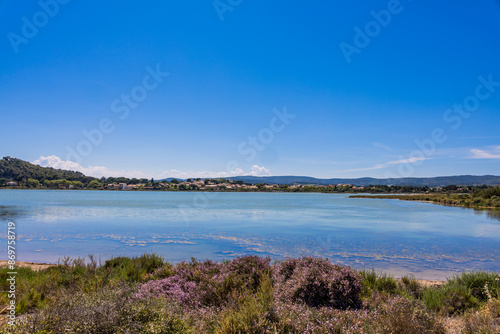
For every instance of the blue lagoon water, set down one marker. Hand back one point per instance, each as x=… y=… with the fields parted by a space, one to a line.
x=426 y=240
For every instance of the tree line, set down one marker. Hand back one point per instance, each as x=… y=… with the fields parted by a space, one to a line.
x=27 y=175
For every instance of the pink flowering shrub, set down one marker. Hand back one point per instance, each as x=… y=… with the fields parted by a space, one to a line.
x=318 y=282
x=191 y=285
x=208 y=283
x=246 y=295
x=247 y=272
x=174 y=287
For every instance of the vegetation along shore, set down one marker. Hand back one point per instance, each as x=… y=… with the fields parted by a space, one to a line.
x=19 y=174
x=245 y=295
x=480 y=198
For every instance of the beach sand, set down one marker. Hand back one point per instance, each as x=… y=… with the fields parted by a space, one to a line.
x=33 y=265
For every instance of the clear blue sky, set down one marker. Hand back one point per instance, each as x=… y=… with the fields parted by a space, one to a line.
x=353 y=118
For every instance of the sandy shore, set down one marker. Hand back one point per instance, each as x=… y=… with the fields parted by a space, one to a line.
x=430 y=283
x=32 y=265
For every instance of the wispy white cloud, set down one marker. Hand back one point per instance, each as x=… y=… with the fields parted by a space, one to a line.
x=386 y=164
x=255 y=171
x=382 y=146
x=100 y=171
x=259 y=171
x=95 y=171
x=313 y=161
x=480 y=137
x=492 y=153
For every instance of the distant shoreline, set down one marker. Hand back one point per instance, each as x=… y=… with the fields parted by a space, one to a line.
x=444 y=200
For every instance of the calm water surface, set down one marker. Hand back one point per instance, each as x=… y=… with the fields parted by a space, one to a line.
x=426 y=240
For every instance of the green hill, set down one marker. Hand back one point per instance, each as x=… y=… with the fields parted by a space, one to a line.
x=12 y=169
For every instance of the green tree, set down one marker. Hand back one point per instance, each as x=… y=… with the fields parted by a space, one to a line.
x=76 y=184
x=110 y=180
x=32 y=183
x=94 y=184
x=122 y=180
x=261 y=185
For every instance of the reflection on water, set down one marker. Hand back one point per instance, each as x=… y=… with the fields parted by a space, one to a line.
x=402 y=237
x=494 y=214
x=9 y=213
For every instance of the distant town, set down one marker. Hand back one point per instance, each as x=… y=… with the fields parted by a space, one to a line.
x=19 y=174
x=175 y=185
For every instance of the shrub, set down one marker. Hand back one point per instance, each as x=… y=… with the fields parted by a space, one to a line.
x=371 y=281
x=410 y=286
x=248 y=272
x=474 y=283
x=300 y=318
x=37 y=288
x=449 y=300
x=457 y=301
x=486 y=321
x=209 y=283
x=400 y=315
x=135 y=269
x=461 y=293
x=105 y=311
x=491 y=192
x=254 y=313
x=86 y=313
x=318 y=282
x=164 y=271
x=245 y=295
x=173 y=288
